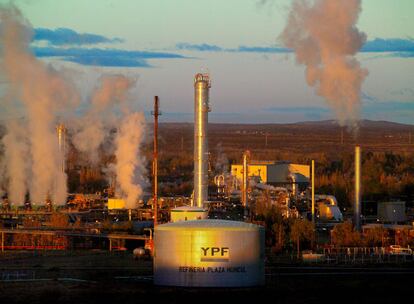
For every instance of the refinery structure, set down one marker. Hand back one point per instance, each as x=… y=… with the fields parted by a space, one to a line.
x=215 y=237
x=111 y=194
x=96 y=183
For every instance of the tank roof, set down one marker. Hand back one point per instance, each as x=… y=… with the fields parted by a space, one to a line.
x=188 y=209
x=210 y=225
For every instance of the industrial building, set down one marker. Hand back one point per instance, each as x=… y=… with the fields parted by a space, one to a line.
x=274 y=173
x=281 y=174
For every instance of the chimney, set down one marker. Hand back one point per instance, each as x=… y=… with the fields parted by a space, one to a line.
x=357 y=206
x=202 y=86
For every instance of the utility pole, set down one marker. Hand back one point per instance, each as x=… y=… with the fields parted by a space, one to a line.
x=155 y=113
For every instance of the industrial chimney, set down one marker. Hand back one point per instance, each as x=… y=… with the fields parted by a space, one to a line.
x=61 y=133
x=202 y=85
x=245 y=182
x=357 y=206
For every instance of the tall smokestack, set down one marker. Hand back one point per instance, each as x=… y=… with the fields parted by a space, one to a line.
x=61 y=132
x=155 y=113
x=357 y=188
x=202 y=85
x=245 y=182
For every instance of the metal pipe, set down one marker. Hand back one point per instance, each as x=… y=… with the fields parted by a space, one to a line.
x=313 y=190
x=202 y=84
x=155 y=113
x=61 y=132
x=357 y=207
x=245 y=182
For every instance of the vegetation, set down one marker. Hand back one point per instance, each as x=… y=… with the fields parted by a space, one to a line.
x=300 y=231
x=376 y=237
x=344 y=235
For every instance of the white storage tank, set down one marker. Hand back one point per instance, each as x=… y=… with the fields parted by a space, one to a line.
x=188 y=213
x=209 y=253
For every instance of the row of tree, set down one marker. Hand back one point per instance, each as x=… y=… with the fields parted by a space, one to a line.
x=295 y=234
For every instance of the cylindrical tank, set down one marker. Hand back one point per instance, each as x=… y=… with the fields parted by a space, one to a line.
x=202 y=85
x=209 y=253
x=188 y=213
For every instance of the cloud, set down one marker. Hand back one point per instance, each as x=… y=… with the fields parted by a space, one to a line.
x=260 y=49
x=65 y=36
x=395 y=47
x=107 y=61
x=104 y=57
x=204 y=47
x=389 y=45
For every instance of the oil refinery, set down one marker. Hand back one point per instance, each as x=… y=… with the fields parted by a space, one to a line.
x=240 y=193
x=131 y=173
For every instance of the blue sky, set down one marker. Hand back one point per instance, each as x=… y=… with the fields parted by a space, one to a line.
x=164 y=43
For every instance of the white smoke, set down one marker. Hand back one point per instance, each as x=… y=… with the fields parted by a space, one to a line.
x=39 y=92
x=325 y=39
x=222 y=162
x=16 y=163
x=42 y=92
x=100 y=119
x=129 y=165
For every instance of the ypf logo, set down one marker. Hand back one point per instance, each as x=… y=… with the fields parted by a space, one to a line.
x=215 y=254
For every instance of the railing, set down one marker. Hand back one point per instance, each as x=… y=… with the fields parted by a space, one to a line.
x=349 y=255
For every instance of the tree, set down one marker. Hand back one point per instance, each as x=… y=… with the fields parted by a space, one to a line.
x=279 y=232
x=344 y=235
x=375 y=237
x=301 y=230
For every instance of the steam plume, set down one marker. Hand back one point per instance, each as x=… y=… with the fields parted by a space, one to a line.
x=16 y=163
x=222 y=162
x=129 y=165
x=42 y=92
x=98 y=121
x=325 y=39
x=39 y=92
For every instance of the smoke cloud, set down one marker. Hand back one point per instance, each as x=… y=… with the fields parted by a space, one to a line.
x=16 y=163
x=129 y=165
x=32 y=160
x=100 y=119
x=222 y=163
x=325 y=39
x=42 y=92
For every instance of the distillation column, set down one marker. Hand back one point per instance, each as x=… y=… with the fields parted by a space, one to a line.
x=202 y=86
